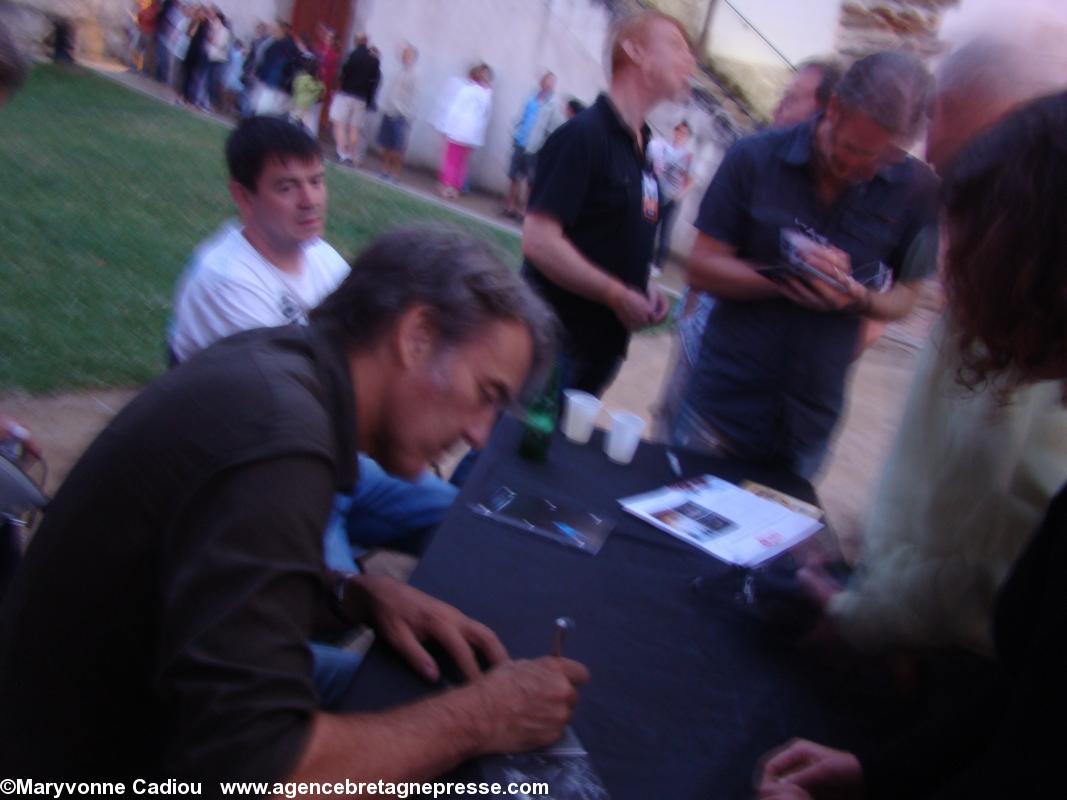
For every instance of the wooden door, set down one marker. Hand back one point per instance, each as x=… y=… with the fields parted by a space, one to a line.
x=335 y=13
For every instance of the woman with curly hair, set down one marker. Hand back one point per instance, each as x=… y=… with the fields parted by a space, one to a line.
x=981 y=451
x=982 y=445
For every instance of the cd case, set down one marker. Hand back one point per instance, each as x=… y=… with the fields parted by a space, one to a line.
x=574 y=527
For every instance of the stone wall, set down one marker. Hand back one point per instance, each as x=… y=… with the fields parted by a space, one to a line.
x=99 y=25
x=869 y=25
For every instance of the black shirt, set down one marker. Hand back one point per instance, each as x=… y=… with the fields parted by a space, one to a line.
x=360 y=74
x=158 y=624
x=590 y=175
x=279 y=63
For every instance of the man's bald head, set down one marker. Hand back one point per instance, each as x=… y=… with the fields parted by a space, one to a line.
x=980 y=82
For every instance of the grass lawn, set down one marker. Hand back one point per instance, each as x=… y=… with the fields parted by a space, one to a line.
x=105 y=194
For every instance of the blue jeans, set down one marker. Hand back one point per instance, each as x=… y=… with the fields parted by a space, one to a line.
x=663 y=231
x=384 y=511
x=163 y=60
x=332 y=671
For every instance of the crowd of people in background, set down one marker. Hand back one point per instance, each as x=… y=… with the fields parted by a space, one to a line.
x=193 y=49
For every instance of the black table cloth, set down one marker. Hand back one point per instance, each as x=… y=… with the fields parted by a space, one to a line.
x=690 y=684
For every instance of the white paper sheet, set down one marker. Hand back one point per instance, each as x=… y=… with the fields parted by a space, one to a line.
x=722 y=519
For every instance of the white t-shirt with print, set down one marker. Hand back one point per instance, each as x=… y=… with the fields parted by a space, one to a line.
x=229 y=287
x=671 y=164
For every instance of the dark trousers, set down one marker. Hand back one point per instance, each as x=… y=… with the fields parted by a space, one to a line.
x=592 y=374
x=667 y=210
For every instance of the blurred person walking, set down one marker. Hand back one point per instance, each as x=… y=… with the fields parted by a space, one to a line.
x=368 y=125
x=275 y=72
x=219 y=38
x=308 y=91
x=328 y=56
x=145 y=20
x=167 y=17
x=194 y=64
x=233 y=78
x=359 y=81
x=463 y=126
x=398 y=114
x=671 y=162
x=808 y=93
x=520 y=171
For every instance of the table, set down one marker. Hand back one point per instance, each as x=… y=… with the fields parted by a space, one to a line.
x=687 y=688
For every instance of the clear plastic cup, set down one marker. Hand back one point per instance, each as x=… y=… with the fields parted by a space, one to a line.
x=580 y=410
x=623 y=436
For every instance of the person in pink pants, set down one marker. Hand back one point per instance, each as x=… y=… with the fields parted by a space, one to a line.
x=463 y=125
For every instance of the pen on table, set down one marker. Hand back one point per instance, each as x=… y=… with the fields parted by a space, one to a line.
x=562 y=625
x=672 y=460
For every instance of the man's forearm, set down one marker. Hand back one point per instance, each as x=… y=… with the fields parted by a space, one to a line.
x=414 y=742
x=559 y=261
x=894 y=304
x=728 y=277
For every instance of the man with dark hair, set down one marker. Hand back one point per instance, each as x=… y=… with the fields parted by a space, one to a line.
x=808 y=93
x=274 y=267
x=178 y=573
x=271 y=270
x=593 y=207
x=769 y=382
x=360 y=76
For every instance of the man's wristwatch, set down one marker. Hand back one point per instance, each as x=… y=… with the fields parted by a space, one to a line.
x=339 y=588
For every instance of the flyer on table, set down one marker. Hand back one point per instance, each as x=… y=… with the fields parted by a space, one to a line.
x=722 y=519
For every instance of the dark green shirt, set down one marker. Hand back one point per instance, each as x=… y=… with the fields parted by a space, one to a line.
x=158 y=624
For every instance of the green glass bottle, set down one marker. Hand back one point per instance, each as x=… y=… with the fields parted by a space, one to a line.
x=541 y=417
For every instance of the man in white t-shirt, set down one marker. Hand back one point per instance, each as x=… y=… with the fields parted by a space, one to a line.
x=272 y=269
x=672 y=162
x=230 y=286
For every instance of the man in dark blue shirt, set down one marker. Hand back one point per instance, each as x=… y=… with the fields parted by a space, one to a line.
x=769 y=382
x=593 y=207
